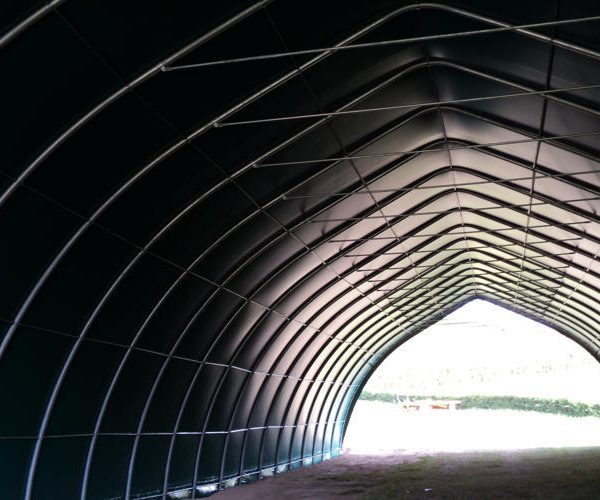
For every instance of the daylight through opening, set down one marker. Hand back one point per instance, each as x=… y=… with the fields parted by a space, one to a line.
x=482 y=378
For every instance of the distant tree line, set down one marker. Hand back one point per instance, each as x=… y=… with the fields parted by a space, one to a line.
x=553 y=406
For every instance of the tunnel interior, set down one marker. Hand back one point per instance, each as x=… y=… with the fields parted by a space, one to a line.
x=218 y=218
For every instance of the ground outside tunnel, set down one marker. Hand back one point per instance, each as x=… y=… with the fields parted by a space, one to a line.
x=472 y=454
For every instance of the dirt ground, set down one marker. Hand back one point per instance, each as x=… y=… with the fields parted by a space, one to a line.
x=568 y=473
x=465 y=454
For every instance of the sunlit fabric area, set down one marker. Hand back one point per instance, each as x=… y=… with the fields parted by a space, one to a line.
x=218 y=219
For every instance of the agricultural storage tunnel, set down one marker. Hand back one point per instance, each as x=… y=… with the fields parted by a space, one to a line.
x=217 y=217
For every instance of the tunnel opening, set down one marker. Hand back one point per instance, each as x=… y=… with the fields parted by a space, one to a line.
x=482 y=378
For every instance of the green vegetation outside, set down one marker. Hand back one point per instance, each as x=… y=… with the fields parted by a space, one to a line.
x=554 y=406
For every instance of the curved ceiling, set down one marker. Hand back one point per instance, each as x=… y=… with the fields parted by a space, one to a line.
x=218 y=217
